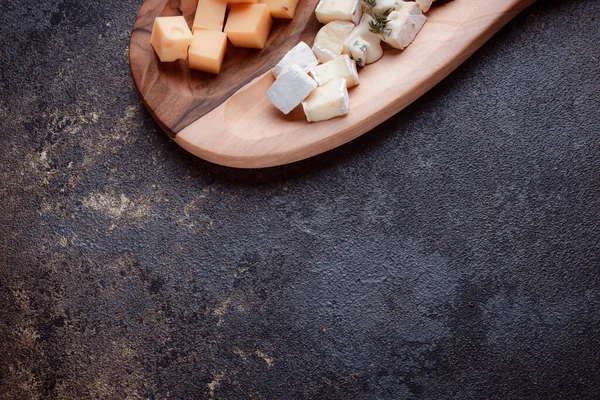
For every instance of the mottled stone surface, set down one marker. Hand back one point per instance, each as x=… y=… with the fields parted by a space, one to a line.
x=451 y=253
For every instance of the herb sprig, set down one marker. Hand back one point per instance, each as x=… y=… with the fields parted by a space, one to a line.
x=378 y=24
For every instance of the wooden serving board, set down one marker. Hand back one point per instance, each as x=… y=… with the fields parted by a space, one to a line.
x=227 y=119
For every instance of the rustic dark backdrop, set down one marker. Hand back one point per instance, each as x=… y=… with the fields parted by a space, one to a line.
x=451 y=253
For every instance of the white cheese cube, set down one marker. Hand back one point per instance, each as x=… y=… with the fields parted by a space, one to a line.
x=362 y=30
x=424 y=4
x=404 y=25
x=290 y=88
x=343 y=10
x=329 y=41
x=301 y=55
x=323 y=54
x=327 y=101
x=341 y=67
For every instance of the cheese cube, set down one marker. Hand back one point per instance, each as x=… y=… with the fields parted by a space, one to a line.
x=171 y=38
x=373 y=51
x=357 y=49
x=290 y=88
x=281 y=8
x=210 y=14
x=300 y=55
x=343 y=10
x=341 y=67
x=329 y=41
x=208 y=50
x=248 y=25
x=424 y=4
x=327 y=101
x=403 y=25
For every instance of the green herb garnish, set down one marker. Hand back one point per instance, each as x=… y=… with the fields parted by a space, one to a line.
x=377 y=25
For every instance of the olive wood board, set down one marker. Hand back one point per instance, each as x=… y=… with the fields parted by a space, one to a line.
x=228 y=119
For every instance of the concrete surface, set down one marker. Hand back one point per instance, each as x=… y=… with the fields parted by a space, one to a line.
x=451 y=253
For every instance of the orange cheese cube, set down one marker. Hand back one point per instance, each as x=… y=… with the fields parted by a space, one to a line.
x=210 y=14
x=208 y=50
x=248 y=25
x=281 y=8
x=171 y=38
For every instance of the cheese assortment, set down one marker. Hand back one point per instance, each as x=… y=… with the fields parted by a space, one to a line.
x=247 y=24
x=317 y=77
x=352 y=36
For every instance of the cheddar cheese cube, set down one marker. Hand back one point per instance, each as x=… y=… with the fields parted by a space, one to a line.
x=210 y=14
x=248 y=25
x=208 y=50
x=284 y=9
x=171 y=38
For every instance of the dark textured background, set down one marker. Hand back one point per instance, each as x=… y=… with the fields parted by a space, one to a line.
x=451 y=253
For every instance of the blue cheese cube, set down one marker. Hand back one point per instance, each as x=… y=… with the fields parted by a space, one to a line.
x=291 y=87
x=357 y=49
x=373 y=50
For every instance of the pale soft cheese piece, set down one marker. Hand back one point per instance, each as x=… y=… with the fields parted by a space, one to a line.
x=404 y=24
x=341 y=67
x=343 y=10
x=248 y=25
x=210 y=14
x=328 y=101
x=171 y=38
x=290 y=88
x=208 y=50
x=329 y=40
x=374 y=51
x=424 y=4
x=284 y=9
x=300 y=55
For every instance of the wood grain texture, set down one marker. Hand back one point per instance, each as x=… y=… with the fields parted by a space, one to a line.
x=229 y=120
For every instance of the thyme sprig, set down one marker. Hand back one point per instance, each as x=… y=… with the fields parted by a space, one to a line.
x=377 y=25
